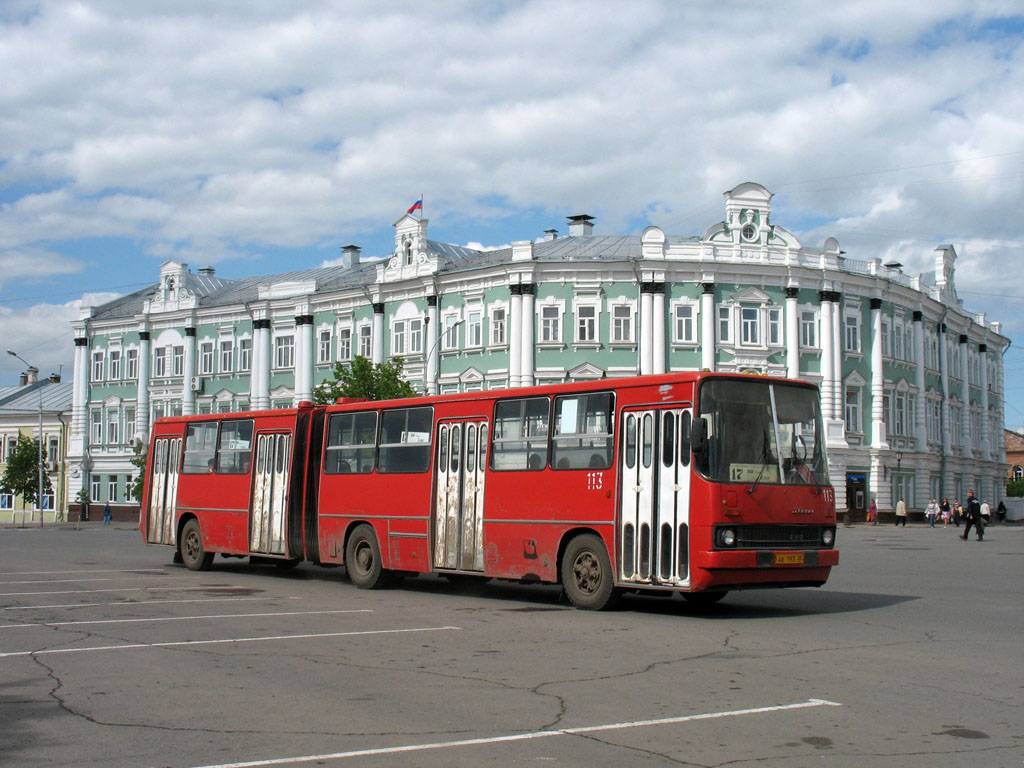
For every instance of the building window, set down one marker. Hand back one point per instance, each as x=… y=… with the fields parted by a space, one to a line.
x=852 y=410
x=112 y=488
x=415 y=336
x=886 y=335
x=51 y=451
x=1018 y=472
x=6 y=500
x=622 y=324
x=475 y=328
x=897 y=339
x=398 y=338
x=345 y=344
x=684 y=325
x=550 y=324
x=115 y=365
x=852 y=336
x=160 y=362
x=94 y=487
x=96 y=420
x=725 y=325
x=899 y=420
x=131 y=364
x=750 y=326
x=206 y=358
x=112 y=432
x=450 y=337
x=129 y=423
x=808 y=329
x=498 y=327
x=365 y=341
x=586 y=324
x=97 y=366
x=323 y=347
x=244 y=354
x=284 y=351
x=178 y=361
x=774 y=326
x=227 y=354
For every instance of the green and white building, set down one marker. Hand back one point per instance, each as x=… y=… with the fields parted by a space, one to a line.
x=911 y=381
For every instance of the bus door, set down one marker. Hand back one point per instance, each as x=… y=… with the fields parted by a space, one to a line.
x=655 y=497
x=163 y=491
x=270 y=494
x=459 y=499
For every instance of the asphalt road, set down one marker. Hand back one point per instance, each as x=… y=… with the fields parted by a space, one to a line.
x=112 y=656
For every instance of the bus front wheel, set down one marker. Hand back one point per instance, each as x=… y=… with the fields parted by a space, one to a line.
x=190 y=546
x=587 y=574
x=362 y=558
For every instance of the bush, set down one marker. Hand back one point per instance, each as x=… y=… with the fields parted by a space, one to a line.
x=1015 y=487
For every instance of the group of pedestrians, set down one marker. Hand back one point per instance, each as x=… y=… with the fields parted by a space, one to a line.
x=973 y=514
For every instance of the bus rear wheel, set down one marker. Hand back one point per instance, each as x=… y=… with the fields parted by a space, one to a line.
x=362 y=559
x=190 y=546
x=587 y=574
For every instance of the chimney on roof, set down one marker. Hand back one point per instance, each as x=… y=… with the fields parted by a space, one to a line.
x=350 y=255
x=55 y=378
x=580 y=224
x=23 y=380
x=549 y=235
x=206 y=271
x=31 y=376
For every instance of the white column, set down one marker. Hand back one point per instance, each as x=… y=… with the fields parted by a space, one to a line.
x=986 y=447
x=658 y=319
x=646 y=331
x=528 y=336
x=707 y=326
x=188 y=397
x=255 y=364
x=80 y=390
x=303 y=359
x=792 y=333
x=142 y=396
x=430 y=373
x=947 y=432
x=879 y=439
x=266 y=361
x=837 y=357
x=828 y=370
x=921 y=404
x=378 y=333
x=965 y=396
x=515 y=337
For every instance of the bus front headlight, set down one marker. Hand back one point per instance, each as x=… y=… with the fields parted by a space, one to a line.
x=827 y=537
x=727 y=537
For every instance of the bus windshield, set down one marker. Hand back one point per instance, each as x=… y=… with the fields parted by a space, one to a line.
x=762 y=432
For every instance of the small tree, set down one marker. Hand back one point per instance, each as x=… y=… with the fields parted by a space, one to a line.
x=21 y=476
x=84 y=501
x=1015 y=487
x=361 y=378
x=139 y=462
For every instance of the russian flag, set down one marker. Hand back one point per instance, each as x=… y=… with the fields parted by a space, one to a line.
x=417 y=206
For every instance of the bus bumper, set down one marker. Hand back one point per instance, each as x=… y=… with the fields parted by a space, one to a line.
x=761 y=559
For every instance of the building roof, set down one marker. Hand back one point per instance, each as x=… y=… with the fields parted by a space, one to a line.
x=56 y=398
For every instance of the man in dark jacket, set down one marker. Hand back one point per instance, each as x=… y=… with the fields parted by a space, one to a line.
x=972 y=511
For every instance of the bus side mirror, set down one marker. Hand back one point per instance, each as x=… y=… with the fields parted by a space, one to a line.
x=699 y=437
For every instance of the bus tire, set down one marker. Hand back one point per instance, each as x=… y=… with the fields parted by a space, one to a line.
x=362 y=559
x=587 y=574
x=190 y=546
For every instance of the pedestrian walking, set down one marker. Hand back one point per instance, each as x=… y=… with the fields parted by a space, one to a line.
x=972 y=514
x=901 y=514
x=106 y=513
x=946 y=512
x=958 y=512
x=1001 y=511
x=873 y=513
x=986 y=512
x=932 y=511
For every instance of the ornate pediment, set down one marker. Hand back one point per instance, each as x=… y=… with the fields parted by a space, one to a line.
x=586 y=371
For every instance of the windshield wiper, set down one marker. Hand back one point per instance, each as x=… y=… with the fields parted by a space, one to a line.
x=764 y=463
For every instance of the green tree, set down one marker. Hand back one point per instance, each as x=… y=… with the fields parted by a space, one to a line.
x=21 y=475
x=139 y=462
x=1015 y=487
x=361 y=378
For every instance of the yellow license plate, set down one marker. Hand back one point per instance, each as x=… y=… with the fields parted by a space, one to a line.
x=789 y=558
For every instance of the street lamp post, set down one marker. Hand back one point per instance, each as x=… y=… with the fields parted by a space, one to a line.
x=430 y=355
x=39 y=388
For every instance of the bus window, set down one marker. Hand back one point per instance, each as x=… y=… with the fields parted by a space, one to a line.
x=351 y=442
x=520 y=438
x=405 y=440
x=200 y=445
x=234 y=448
x=583 y=432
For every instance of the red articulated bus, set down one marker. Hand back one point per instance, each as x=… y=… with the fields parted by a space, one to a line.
x=699 y=483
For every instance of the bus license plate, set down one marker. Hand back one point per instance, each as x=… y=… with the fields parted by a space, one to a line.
x=789 y=558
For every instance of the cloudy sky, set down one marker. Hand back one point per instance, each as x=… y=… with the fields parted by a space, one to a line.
x=258 y=137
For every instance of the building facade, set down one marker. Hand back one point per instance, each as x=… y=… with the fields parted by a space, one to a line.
x=21 y=410
x=911 y=381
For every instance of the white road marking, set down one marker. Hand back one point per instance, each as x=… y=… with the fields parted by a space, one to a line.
x=117 y=589
x=143 y=602
x=222 y=642
x=525 y=736
x=180 y=618
x=91 y=570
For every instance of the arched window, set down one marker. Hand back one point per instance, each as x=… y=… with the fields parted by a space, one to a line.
x=1018 y=472
x=408 y=254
